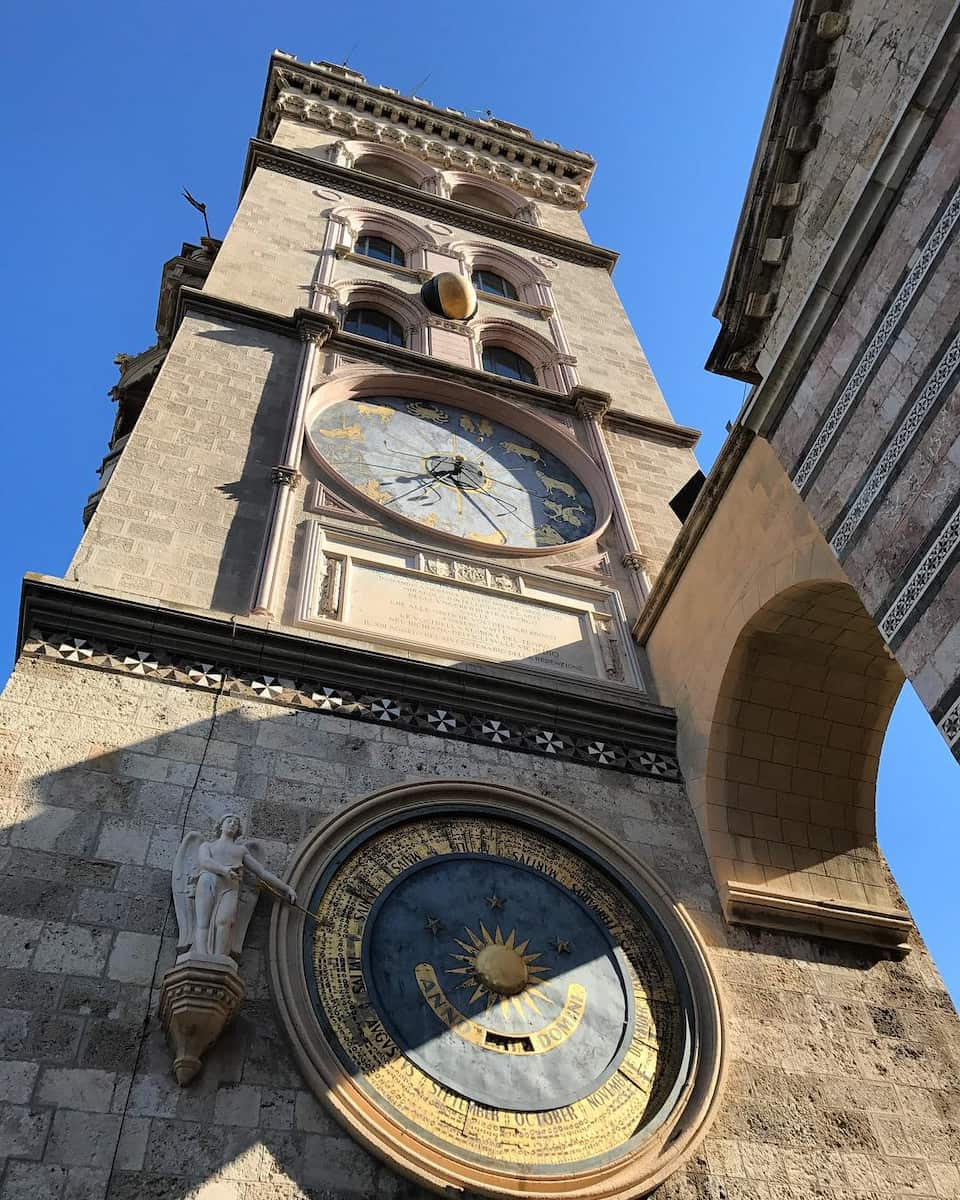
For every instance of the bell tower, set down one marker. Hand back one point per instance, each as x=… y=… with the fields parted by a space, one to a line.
x=352 y=622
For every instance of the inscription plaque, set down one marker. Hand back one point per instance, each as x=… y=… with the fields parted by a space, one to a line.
x=480 y=624
x=462 y=610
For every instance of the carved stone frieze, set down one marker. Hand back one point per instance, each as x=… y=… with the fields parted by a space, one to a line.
x=293 y=105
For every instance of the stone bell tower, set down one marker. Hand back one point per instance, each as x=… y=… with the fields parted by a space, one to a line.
x=381 y=508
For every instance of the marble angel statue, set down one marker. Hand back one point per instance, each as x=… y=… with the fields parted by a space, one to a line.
x=214 y=894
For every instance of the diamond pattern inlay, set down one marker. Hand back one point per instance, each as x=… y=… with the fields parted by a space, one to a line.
x=485 y=728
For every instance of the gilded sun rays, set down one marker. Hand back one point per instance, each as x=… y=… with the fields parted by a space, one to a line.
x=499 y=970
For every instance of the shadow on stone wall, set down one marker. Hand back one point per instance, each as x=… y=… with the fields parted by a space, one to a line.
x=112 y=770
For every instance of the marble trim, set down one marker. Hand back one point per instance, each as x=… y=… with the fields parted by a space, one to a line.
x=923 y=575
x=949 y=725
x=879 y=343
x=897 y=445
x=416 y=716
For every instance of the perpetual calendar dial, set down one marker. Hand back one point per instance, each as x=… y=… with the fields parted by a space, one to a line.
x=454 y=471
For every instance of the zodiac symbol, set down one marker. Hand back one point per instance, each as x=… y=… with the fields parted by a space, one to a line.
x=428 y=412
x=557 y=485
x=480 y=426
x=525 y=452
x=353 y=432
x=373 y=491
x=548 y=536
x=566 y=513
x=381 y=411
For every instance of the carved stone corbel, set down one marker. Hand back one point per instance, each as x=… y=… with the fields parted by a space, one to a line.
x=286 y=476
x=591 y=405
x=214 y=885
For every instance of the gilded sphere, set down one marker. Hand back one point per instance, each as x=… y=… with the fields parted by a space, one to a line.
x=502 y=970
x=450 y=296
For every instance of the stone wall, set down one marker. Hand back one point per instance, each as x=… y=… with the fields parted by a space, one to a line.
x=182 y=518
x=875 y=66
x=842 y=1066
x=870 y=433
x=650 y=475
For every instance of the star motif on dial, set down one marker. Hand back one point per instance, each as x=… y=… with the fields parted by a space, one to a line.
x=561 y=945
x=454 y=472
x=434 y=925
x=495 y=901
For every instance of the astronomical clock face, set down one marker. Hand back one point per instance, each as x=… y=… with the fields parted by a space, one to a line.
x=454 y=471
x=496 y=994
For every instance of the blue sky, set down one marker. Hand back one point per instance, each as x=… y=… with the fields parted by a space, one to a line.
x=112 y=109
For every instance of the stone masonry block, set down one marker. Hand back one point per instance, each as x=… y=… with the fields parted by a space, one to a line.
x=23 y=1131
x=33 y=1181
x=82 y=1139
x=134 y=957
x=84 y=1090
x=72 y=949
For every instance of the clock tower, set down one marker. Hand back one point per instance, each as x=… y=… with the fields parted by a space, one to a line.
x=350 y=622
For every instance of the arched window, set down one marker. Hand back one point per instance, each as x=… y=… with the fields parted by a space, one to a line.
x=499 y=360
x=387 y=168
x=494 y=284
x=485 y=198
x=371 y=246
x=371 y=323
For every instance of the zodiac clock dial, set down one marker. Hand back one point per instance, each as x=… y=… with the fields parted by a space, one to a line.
x=454 y=471
x=493 y=990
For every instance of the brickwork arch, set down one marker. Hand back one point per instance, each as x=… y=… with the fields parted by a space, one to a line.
x=793 y=755
x=783 y=689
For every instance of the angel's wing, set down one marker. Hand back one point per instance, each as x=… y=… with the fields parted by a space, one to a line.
x=184 y=883
x=249 y=895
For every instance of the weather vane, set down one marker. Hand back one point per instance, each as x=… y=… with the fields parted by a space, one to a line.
x=200 y=207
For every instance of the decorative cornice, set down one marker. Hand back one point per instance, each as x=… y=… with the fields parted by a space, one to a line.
x=431 y=133
x=762 y=241
x=748 y=904
x=324 y=328
x=906 y=142
x=398 y=195
x=591 y=405
x=651 y=428
x=305 y=322
x=244 y=657
x=723 y=470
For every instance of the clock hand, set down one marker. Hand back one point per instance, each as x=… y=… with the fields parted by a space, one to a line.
x=472 y=497
x=421 y=487
x=503 y=483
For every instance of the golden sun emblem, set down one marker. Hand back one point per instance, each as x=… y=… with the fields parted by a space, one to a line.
x=500 y=970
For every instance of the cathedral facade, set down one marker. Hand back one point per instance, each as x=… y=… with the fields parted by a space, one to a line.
x=383 y=817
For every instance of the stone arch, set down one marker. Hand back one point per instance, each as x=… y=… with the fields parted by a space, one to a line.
x=791 y=767
x=762 y=630
x=412 y=239
x=374 y=293
x=532 y=285
x=543 y=355
x=385 y=162
x=490 y=196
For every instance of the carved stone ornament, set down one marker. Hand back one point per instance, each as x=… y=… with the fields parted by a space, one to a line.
x=285 y=476
x=214 y=897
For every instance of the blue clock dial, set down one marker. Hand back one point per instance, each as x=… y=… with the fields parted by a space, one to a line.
x=454 y=471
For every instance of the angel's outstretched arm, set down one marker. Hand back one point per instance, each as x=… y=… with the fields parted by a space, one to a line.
x=257 y=868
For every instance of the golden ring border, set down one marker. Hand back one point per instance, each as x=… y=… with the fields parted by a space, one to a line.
x=627 y=1177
